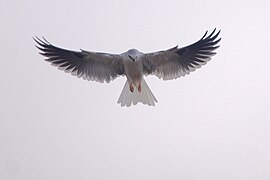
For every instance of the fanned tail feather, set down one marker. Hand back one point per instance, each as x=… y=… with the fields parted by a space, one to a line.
x=145 y=96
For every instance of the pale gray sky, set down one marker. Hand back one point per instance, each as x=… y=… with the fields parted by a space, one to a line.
x=212 y=124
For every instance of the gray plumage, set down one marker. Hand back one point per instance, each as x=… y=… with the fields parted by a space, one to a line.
x=104 y=67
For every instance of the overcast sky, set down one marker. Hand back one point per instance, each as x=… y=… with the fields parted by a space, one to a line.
x=212 y=124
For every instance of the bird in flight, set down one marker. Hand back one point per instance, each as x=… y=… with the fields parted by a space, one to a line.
x=104 y=67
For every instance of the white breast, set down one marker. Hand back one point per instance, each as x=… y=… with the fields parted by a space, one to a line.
x=133 y=70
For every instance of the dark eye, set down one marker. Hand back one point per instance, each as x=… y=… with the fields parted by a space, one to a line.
x=131 y=58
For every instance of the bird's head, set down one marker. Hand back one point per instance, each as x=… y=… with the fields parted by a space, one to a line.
x=133 y=54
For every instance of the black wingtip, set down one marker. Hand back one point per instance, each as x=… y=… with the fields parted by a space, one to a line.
x=216 y=35
x=204 y=35
x=213 y=32
x=40 y=48
x=46 y=40
x=42 y=42
x=217 y=41
x=36 y=39
x=213 y=35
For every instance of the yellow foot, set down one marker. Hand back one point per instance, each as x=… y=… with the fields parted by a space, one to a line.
x=140 y=87
x=131 y=88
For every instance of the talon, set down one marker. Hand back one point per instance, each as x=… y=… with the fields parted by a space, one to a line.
x=131 y=88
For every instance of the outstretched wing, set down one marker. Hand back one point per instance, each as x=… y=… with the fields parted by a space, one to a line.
x=176 y=62
x=94 y=66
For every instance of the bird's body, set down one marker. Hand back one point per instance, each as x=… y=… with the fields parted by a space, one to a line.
x=135 y=90
x=133 y=67
x=168 y=64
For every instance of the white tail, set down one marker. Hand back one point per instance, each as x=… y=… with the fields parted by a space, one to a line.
x=145 y=96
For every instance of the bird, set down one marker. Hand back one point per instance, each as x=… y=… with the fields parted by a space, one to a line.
x=134 y=65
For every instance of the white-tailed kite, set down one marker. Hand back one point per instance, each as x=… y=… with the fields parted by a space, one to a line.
x=100 y=67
